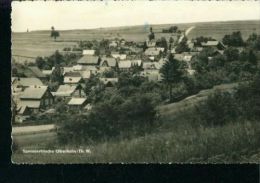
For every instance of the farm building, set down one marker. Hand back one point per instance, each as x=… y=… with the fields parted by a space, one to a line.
x=22 y=83
x=66 y=91
x=35 y=98
x=77 y=103
x=88 y=52
x=214 y=44
x=89 y=60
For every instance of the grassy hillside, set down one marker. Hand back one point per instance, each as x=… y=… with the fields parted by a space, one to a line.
x=176 y=140
x=39 y=43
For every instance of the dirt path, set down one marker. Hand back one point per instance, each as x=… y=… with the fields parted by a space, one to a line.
x=186 y=33
x=32 y=129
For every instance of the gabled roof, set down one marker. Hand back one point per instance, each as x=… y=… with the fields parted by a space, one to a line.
x=67 y=69
x=65 y=90
x=48 y=72
x=178 y=57
x=88 y=59
x=111 y=62
x=77 y=101
x=151 y=65
x=37 y=72
x=30 y=104
x=34 y=92
x=88 y=52
x=85 y=74
x=125 y=64
x=26 y=81
x=119 y=56
x=152 y=51
x=72 y=80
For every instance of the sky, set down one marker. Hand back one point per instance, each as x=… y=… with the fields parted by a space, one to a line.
x=66 y=15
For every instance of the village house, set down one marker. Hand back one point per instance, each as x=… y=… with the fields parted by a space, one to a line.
x=88 y=52
x=213 y=44
x=77 y=103
x=109 y=82
x=153 y=51
x=108 y=62
x=48 y=72
x=35 y=99
x=119 y=56
x=136 y=63
x=72 y=78
x=85 y=74
x=125 y=65
x=89 y=60
x=150 y=43
x=20 y=83
x=151 y=66
x=152 y=75
x=68 y=91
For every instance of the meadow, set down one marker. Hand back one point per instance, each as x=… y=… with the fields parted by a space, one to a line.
x=39 y=43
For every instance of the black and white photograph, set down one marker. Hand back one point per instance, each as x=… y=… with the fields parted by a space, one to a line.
x=135 y=82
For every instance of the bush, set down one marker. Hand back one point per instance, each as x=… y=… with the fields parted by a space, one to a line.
x=218 y=109
x=110 y=119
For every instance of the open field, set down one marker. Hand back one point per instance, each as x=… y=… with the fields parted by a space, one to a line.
x=39 y=43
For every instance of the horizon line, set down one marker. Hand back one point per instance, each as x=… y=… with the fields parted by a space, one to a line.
x=136 y=25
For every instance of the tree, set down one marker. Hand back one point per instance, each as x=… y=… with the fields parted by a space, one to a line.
x=182 y=46
x=40 y=62
x=235 y=39
x=231 y=54
x=171 y=73
x=54 y=33
x=162 y=43
x=173 y=29
x=253 y=41
x=57 y=75
x=151 y=36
